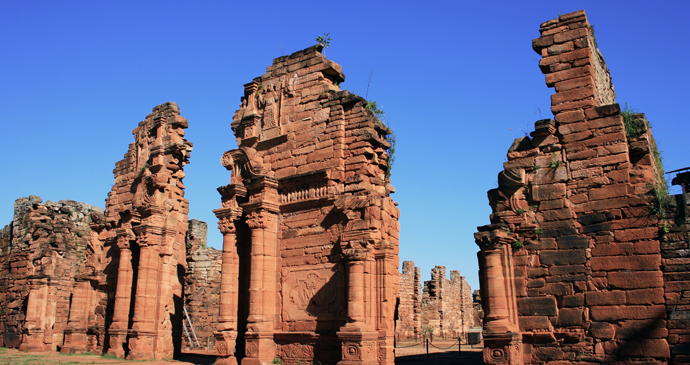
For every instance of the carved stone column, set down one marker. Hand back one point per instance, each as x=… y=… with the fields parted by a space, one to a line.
x=142 y=335
x=502 y=338
x=123 y=297
x=358 y=339
x=226 y=334
x=260 y=346
x=34 y=326
x=75 y=333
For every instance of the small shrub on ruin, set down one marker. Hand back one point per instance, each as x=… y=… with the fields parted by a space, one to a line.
x=538 y=231
x=634 y=127
x=381 y=119
x=324 y=40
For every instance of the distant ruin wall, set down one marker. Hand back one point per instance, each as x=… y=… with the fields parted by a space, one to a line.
x=409 y=324
x=446 y=304
x=202 y=288
x=443 y=309
x=571 y=266
x=49 y=253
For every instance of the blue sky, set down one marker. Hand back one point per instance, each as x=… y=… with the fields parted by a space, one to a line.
x=458 y=81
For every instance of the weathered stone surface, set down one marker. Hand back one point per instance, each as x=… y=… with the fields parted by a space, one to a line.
x=446 y=306
x=574 y=215
x=409 y=324
x=144 y=232
x=48 y=254
x=310 y=232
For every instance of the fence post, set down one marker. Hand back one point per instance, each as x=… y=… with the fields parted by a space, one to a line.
x=427 y=349
x=459 y=346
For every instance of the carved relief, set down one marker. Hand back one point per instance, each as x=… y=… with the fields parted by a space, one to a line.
x=257 y=219
x=352 y=351
x=296 y=351
x=304 y=192
x=226 y=225
x=252 y=349
x=313 y=293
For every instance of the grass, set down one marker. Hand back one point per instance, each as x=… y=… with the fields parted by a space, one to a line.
x=16 y=357
x=634 y=127
x=380 y=116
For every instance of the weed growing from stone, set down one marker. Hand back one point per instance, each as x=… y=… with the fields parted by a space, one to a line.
x=380 y=116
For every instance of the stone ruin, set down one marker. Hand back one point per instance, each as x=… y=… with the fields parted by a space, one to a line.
x=310 y=233
x=447 y=305
x=145 y=230
x=585 y=258
x=408 y=324
x=308 y=270
x=48 y=256
x=201 y=290
x=81 y=279
x=443 y=309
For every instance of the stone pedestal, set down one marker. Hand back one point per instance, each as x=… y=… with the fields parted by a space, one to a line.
x=502 y=348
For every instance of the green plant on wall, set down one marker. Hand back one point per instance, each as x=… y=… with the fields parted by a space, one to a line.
x=634 y=127
x=381 y=119
x=324 y=40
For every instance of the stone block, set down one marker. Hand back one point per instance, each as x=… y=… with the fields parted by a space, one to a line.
x=645 y=296
x=539 y=306
x=532 y=323
x=623 y=312
x=635 y=280
x=548 y=192
x=567 y=242
x=615 y=297
x=632 y=263
x=569 y=257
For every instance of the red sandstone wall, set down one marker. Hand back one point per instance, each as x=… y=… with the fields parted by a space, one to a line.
x=446 y=307
x=47 y=251
x=202 y=288
x=408 y=325
x=571 y=266
x=309 y=208
x=144 y=239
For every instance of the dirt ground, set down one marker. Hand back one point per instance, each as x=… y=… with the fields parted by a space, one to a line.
x=407 y=353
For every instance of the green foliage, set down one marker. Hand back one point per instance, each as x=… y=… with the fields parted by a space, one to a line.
x=520 y=211
x=634 y=127
x=277 y=360
x=380 y=116
x=535 y=221
x=535 y=168
x=324 y=40
x=556 y=163
x=518 y=245
x=144 y=168
x=538 y=231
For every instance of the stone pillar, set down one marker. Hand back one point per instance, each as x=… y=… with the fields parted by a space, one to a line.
x=123 y=297
x=260 y=346
x=358 y=339
x=143 y=332
x=75 y=333
x=502 y=338
x=34 y=326
x=226 y=335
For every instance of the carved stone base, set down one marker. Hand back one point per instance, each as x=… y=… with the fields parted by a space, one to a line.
x=32 y=341
x=118 y=341
x=225 y=347
x=260 y=348
x=503 y=348
x=76 y=342
x=358 y=347
x=141 y=346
